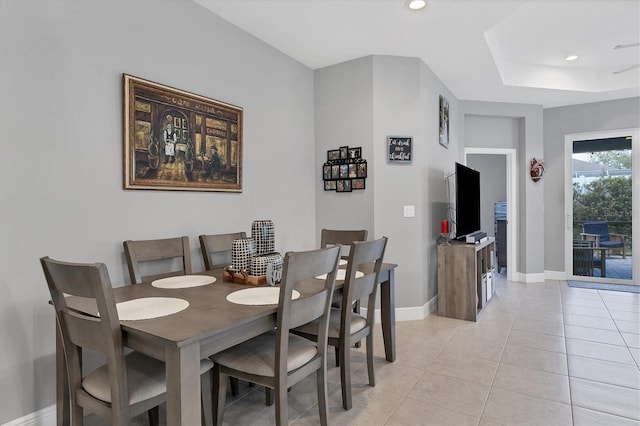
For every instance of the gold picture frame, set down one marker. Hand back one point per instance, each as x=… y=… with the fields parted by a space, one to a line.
x=179 y=141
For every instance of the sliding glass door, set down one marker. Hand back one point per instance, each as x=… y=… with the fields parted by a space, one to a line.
x=600 y=217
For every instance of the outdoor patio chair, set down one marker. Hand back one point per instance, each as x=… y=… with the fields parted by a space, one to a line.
x=584 y=259
x=599 y=232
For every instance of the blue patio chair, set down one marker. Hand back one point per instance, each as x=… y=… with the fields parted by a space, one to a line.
x=599 y=232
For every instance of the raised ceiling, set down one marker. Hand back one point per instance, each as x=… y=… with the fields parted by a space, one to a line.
x=485 y=50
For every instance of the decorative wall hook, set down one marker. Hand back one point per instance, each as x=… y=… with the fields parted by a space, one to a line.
x=536 y=170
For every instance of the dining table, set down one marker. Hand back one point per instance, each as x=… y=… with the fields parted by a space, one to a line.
x=208 y=325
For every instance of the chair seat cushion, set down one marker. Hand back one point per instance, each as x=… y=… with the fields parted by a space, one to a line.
x=257 y=356
x=145 y=378
x=611 y=243
x=358 y=322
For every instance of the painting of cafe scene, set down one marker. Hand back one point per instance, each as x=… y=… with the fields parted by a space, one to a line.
x=176 y=140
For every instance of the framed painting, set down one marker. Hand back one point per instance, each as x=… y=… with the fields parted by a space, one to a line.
x=444 y=122
x=179 y=141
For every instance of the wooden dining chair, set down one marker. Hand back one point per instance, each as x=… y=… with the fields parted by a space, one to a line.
x=125 y=386
x=341 y=236
x=347 y=327
x=216 y=249
x=216 y=253
x=278 y=359
x=159 y=253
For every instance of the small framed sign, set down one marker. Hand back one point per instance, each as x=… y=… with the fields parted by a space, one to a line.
x=399 y=148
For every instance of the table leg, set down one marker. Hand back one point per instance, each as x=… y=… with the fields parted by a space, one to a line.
x=183 y=385
x=388 y=314
x=63 y=401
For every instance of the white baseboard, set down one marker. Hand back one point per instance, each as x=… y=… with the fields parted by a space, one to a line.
x=415 y=313
x=44 y=416
x=534 y=278
x=555 y=275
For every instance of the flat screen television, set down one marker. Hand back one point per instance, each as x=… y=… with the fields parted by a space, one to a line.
x=467 y=189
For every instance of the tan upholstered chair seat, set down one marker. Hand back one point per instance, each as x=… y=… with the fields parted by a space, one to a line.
x=358 y=322
x=146 y=378
x=257 y=356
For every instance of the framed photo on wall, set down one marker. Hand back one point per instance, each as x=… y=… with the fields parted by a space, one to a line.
x=444 y=122
x=179 y=141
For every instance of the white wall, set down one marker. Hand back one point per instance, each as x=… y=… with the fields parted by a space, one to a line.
x=61 y=109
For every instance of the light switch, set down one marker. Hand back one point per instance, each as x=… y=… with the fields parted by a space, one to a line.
x=409 y=211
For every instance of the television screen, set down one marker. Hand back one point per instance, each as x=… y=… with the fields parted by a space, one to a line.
x=467 y=201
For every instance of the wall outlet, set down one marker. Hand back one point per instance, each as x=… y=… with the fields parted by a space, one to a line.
x=409 y=211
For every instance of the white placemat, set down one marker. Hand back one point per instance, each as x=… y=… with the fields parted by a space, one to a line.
x=184 y=281
x=258 y=296
x=150 y=307
x=340 y=275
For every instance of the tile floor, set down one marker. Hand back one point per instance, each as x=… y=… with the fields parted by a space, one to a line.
x=540 y=354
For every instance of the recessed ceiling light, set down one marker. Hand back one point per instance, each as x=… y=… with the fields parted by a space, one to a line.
x=571 y=58
x=416 y=4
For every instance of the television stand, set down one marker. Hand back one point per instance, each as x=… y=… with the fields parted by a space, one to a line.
x=466 y=275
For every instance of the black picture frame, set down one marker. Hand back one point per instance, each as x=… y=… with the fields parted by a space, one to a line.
x=355 y=153
x=353 y=171
x=326 y=172
x=335 y=171
x=333 y=154
x=343 y=185
x=344 y=171
x=399 y=149
x=361 y=171
x=344 y=152
x=357 y=184
x=329 y=185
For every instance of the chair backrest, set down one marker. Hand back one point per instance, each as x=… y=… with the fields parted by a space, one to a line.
x=216 y=249
x=598 y=228
x=79 y=330
x=299 y=267
x=156 y=250
x=343 y=237
x=367 y=257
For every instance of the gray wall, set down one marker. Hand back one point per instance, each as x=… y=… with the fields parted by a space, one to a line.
x=362 y=102
x=558 y=122
x=61 y=109
x=344 y=117
x=493 y=118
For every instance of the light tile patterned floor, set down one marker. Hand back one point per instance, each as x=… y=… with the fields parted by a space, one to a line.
x=540 y=354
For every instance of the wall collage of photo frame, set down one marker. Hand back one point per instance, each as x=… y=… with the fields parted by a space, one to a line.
x=345 y=170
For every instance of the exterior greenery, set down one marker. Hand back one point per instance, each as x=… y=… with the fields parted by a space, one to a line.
x=607 y=198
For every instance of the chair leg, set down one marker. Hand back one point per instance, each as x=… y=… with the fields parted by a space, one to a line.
x=206 y=398
x=235 y=386
x=370 y=366
x=345 y=376
x=268 y=397
x=220 y=393
x=154 y=416
x=282 y=406
x=323 y=397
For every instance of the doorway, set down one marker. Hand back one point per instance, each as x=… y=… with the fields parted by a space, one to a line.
x=473 y=157
x=601 y=194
